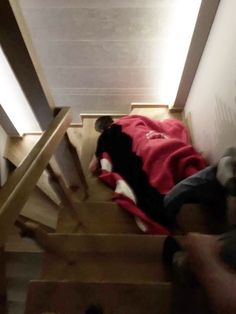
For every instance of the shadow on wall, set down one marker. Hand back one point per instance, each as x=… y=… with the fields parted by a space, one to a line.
x=215 y=130
x=224 y=125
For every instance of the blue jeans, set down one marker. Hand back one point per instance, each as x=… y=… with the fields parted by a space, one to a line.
x=202 y=188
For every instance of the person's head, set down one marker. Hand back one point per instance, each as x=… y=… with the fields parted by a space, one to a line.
x=103 y=123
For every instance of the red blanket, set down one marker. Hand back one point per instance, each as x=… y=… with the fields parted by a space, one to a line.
x=166 y=156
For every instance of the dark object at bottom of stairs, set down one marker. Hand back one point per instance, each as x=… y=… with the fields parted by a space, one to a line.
x=94 y=309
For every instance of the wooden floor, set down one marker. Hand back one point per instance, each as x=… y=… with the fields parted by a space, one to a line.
x=96 y=218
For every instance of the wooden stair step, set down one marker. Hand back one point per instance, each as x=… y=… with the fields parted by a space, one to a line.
x=97 y=191
x=97 y=217
x=41 y=209
x=112 y=258
x=17 y=149
x=75 y=298
x=15 y=243
x=21 y=267
x=24 y=265
x=158 y=112
x=199 y=218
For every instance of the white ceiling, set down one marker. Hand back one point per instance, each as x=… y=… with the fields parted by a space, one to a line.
x=101 y=55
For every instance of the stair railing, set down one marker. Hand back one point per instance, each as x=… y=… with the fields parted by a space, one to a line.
x=20 y=184
x=15 y=192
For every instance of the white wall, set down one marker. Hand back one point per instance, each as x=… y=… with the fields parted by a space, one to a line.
x=3 y=168
x=99 y=56
x=13 y=100
x=212 y=99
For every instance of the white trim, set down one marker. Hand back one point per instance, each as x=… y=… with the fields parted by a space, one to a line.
x=142 y=226
x=123 y=188
x=106 y=164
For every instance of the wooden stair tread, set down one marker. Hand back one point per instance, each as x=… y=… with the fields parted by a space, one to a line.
x=105 y=242
x=97 y=217
x=113 y=258
x=88 y=143
x=16 y=151
x=15 y=243
x=23 y=265
x=157 y=113
x=74 y=297
x=199 y=218
x=98 y=191
x=41 y=209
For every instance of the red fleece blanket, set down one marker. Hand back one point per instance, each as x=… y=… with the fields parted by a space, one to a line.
x=167 y=159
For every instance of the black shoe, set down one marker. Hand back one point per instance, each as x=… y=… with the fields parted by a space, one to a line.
x=170 y=247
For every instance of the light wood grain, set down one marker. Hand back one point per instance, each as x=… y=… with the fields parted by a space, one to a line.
x=112 y=258
x=41 y=209
x=16 y=151
x=18 y=244
x=20 y=184
x=97 y=217
x=75 y=137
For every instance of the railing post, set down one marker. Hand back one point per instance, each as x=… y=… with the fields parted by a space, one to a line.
x=15 y=192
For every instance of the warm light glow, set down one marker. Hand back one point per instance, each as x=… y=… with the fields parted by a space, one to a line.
x=13 y=100
x=178 y=33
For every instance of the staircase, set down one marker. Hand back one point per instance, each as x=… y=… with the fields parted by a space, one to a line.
x=122 y=273
x=103 y=258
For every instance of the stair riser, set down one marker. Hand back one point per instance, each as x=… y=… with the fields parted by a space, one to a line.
x=74 y=298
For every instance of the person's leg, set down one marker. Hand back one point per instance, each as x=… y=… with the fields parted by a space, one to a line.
x=226 y=175
x=188 y=296
x=213 y=186
x=219 y=281
x=202 y=187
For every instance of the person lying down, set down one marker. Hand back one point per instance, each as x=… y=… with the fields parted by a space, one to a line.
x=154 y=170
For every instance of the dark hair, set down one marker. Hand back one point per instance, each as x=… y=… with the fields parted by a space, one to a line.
x=103 y=123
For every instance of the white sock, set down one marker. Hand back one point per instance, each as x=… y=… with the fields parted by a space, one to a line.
x=225 y=169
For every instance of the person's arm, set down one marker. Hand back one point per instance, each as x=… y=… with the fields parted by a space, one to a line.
x=94 y=165
x=217 y=278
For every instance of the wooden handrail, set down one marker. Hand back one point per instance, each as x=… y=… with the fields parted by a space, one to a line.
x=20 y=184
